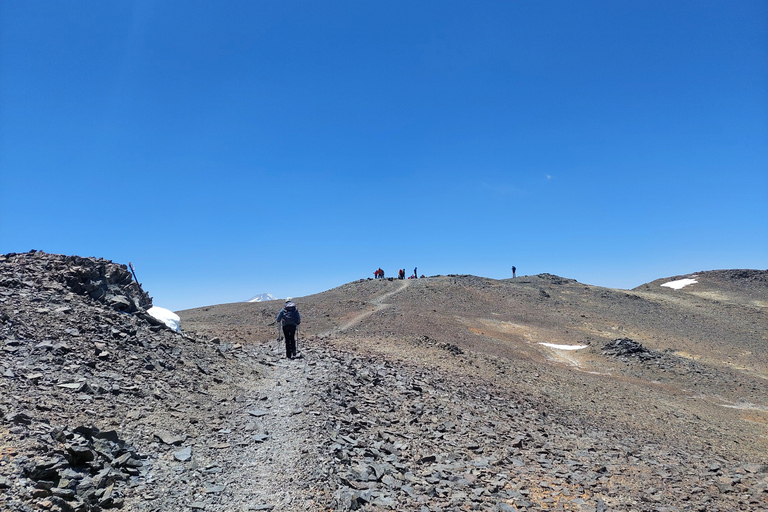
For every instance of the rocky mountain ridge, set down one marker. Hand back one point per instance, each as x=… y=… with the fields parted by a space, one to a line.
x=387 y=409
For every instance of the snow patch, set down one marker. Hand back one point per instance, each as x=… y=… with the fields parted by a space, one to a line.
x=745 y=406
x=680 y=283
x=564 y=347
x=166 y=316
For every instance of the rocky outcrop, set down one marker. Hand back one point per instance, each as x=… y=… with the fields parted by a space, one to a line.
x=77 y=370
x=99 y=279
x=626 y=348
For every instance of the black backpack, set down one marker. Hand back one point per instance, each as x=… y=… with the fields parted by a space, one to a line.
x=291 y=315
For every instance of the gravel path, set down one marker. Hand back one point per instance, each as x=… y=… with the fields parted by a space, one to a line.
x=378 y=304
x=258 y=456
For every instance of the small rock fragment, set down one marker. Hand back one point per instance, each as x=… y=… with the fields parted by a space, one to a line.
x=184 y=454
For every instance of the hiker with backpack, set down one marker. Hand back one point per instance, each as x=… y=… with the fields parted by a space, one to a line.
x=290 y=318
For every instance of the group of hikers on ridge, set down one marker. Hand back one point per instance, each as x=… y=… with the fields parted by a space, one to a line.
x=379 y=274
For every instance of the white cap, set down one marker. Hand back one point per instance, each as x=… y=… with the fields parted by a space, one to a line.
x=288 y=299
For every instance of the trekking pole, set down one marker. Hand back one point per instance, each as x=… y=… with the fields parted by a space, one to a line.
x=296 y=341
x=279 y=336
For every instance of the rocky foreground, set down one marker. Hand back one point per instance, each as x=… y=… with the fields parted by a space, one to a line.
x=104 y=409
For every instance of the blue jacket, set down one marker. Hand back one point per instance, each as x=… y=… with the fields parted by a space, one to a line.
x=289 y=314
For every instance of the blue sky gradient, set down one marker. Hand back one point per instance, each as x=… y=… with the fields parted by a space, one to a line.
x=288 y=147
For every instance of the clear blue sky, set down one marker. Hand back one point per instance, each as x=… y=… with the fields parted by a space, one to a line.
x=233 y=148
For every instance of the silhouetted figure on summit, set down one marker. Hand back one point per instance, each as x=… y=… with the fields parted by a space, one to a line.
x=513 y=271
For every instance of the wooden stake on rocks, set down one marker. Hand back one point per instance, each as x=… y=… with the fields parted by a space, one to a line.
x=133 y=271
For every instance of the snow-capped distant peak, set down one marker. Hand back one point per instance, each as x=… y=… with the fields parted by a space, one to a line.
x=262 y=297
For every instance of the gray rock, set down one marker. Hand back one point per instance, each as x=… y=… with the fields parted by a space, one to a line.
x=72 y=385
x=184 y=454
x=362 y=497
x=600 y=506
x=384 y=501
x=170 y=439
x=391 y=481
x=71 y=474
x=67 y=494
x=80 y=454
x=121 y=303
x=19 y=418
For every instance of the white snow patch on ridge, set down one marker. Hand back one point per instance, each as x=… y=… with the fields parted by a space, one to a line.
x=680 y=283
x=166 y=316
x=564 y=347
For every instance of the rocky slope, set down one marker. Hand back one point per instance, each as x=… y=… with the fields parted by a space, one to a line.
x=411 y=395
x=671 y=369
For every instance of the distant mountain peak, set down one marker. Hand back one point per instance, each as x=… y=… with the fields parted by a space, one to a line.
x=262 y=297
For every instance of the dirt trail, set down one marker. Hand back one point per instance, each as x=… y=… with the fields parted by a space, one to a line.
x=267 y=443
x=378 y=304
x=272 y=465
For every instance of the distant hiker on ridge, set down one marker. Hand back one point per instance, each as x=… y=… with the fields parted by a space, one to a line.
x=290 y=318
x=513 y=271
x=415 y=274
x=401 y=274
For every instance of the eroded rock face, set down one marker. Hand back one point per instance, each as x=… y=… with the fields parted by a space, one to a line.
x=97 y=278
